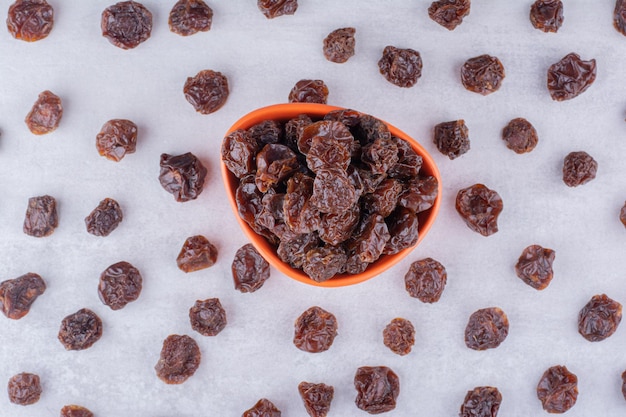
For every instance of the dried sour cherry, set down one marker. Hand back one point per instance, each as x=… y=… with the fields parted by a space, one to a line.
x=579 y=168
x=120 y=284
x=323 y=263
x=377 y=389
x=274 y=163
x=80 y=330
x=180 y=358
x=75 y=411
x=409 y=162
x=327 y=153
x=400 y=66
x=337 y=228
x=197 y=253
x=316 y=398
x=267 y=131
x=599 y=318
x=45 y=115
x=403 y=227
x=24 y=388
x=619 y=16
x=18 y=295
x=339 y=45
x=250 y=270
x=117 y=138
x=309 y=91
x=30 y=20
x=624 y=384
x=479 y=207
x=263 y=408
x=208 y=317
x=188 y=17
x=207 y=91
x=570 y=77
x=239 y=151
x=275 y=8
x=482 y=74
x=547 y=15
x=41 y=216
x=384 y=198
x=182 y=176
x=520 y=136
x=534 y=266
x=325 y=196
x=419 y=194
x=449 y=13
x=104 y=218
x=293 y=251
x=126 y=24
x=425 y=280
x=481 y=402
x=371 y=240
x=557 y=389
x=486 y=329
x=452 y=138
x=315 y=330
x=399 y=336
x=622 y=214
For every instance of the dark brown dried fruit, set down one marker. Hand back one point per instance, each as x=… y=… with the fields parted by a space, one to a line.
x=275 y=8
x=309 y=91
x=624 y=384
x=180 y=359
x=126 y=24
x=481 y=402
x=18 y=295
x=326 y=129
x=619 y=16
x=401 y=67
x=399 y=336
x=75 y=411
x=323 y=263
x=263 y=408
x=80 y=330
x=449 y=13
x=325 y=196
x=534 y=266
x=579 y=168
x=557 y=389
x=274 y=163
x=208 y=317
x=403 y=226
x=327 y=153
x=380 y=155
x=486 y=329
x=570 y=77
x=182 y=176
x=339 y=45
x=316 y=398
x=520 y=136
x=452 y=138
x=30 y=20
x=419 y=194
x=479 y=207
x=337 y=228
x=105 y=218
x=599 y=318
x=267 y=131
x=622 y=215
x=482 y=74
x=120 y=284
x=377 y=389
x=188 y=17
x=250 y=269
x=117 y=138
x=41 y=216
x=371 y=240
x=24 y=389
x=315 y=330
x=547 y=15
x=293 y=251
x=426 y=280
x=45 y=115
x=197 y=253
x=384 y=198
x=239 y=151
x=207 y=91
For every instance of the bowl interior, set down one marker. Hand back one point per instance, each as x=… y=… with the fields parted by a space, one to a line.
x=284 y=112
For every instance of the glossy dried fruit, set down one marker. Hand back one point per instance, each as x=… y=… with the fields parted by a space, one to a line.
x=293 y=251
x=274 y=163
x=182 y=176
x=570 y=77
x=619 y=16
x=403 y=226
x=315 y=330
x=117 y=138
x=104 y=218
x=309 y=91
x=208 y=317
x=419 y=194
x=267 y=131
x=377 y=389
x=45 y=115
x=599 y=318
x=486 y=329
x=75 y=411
x=339 y=45
x=120 y=284
x=371 y=239
x=24 y=388
x=579 y=168
x=401 y=67
x=323 y=263
x=263 y=408
x=250 y=269
x=452 y=138
x=426 y=280
x=30 y=20
x=41 y=216
x=399 y=336
x=449 y=13
x=126 y=24
x=482 y=74
x=18 y=295
x=325 y=196
x=80 y=330
x=325 y=129
x=179 y=360
x=534 y=266
x=520 y=136
x=384 y=198
x=197 y=253
x=380 y=155
x=239 y=151
x=316 y=398
x=547 y=15
x=479 y=207
x=207 y=91
x=481 y=402
x=188 y=17
x=327 y=153
x=557 y=389
x=337 y=228
x=622 y=215
x=275 y=8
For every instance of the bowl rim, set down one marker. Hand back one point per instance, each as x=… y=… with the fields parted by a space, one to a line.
x=287 y=111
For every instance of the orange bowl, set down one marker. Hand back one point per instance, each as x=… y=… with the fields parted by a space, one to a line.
x=284 y=112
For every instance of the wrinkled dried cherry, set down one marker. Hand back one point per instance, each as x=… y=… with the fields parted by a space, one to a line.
x=207 y=91
x=180 y=358
x=104 y=218
x=622 y=214
x=126 y=24
x=75 y=411
x=188 y=17
x=339 y=45
x=316 y=398
x=579 y=168
x=482 y=74
x=377 y=389
x=275 y=8
x=24 y=388
x=41 y=216
x=400 y=66
x=120 y=284
x=80 y=330
x=619 y=16
x=449 y=13
x=599 y=318
x=117 y=138
x=18 y=295
x=520 y=136
x=479 y=207
x=452 y=138
x=45 y=115
x=426 y=280
x=486 y=329
x=399 y=336
x=263 y=408
x=570 y=77
x=557 y=389
x=309 y=91
x=208 y=317
x=182 y=176
x=534 y=266
x=30 y=20
x=547 y=15
x=481 y=402
x=250 y=270
x=315 y=330
x=197 y=253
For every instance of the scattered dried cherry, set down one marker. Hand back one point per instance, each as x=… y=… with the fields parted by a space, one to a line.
x=24 y=389
x=309 y=91
x=599 y=318
x=482 y=74
x=179 y=360
x=188 y=17
x=481 y=402
x=41 y=216
x=579 y=168
x=316 y=398
x=18 y=295
x=570 y=77
x=207 y=91
x=401 y=67
x=547 y=15
x=30 y=20
x=117 y=138
x=452 y=138
x=520 y=136
x=120 y=284
x=104 y=218
x=479 y=207
x=263 y=408
x=126 y=24
x=377 y=389
x=250 y=269
x=399 y=336
x=315 y=330
x=534 y=266
x=274 y=163
x=80 y=330
x=75 y=411
x=45 y=115
x=619 y=16
x=557 y=389
x=449 y=13
x=208 y=317
x=339 y=45
x=486 y=329
x=275 y=8
x=426 y=280
x=182 y=176
x=197 y=253
x=622 y=215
